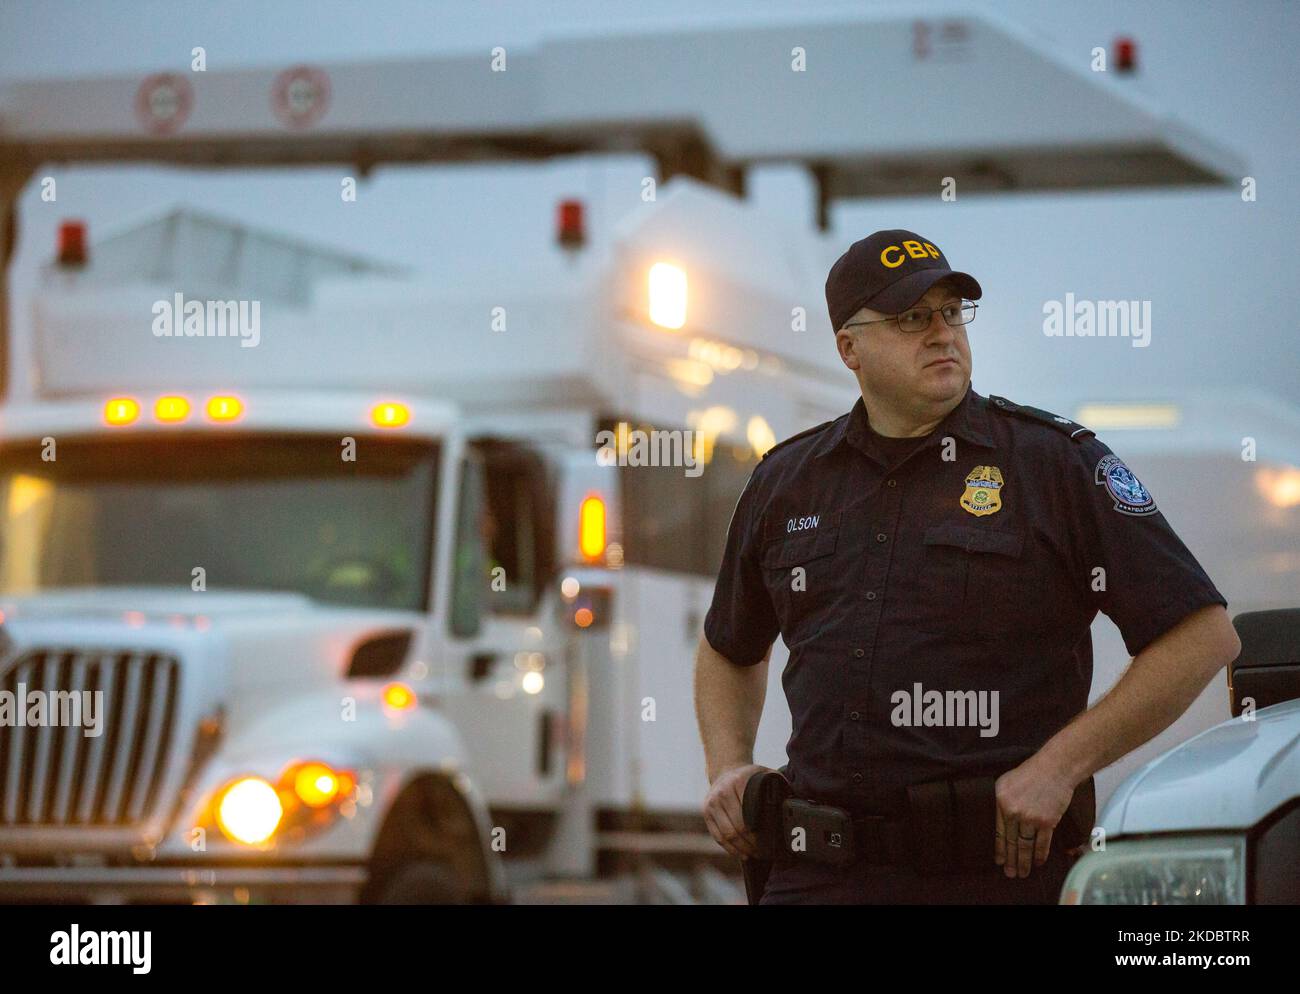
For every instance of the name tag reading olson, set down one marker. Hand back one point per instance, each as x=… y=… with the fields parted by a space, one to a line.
x=802 y=524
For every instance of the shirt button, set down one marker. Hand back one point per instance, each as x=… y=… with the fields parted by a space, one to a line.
x=857 y=778
x=859 y=653
x=892 y=483
x=854 y=716
x=871 y=595
x=881 y=537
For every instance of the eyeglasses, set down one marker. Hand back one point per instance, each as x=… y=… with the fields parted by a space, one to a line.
x=956 y=313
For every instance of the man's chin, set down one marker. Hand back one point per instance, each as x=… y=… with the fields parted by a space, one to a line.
x=942 y=384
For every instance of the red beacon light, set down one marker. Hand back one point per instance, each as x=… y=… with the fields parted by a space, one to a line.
x=72 y=245
x=1125 y=55
x=570 y=233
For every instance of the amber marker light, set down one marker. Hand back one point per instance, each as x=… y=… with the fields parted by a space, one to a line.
x=224 y=408
x=316 y=785
x=121 y=411
x=390 y=415
x=170 y=410
x=399 y=697
x=591 y=527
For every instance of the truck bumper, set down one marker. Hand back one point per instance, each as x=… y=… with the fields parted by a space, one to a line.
x=166 y=884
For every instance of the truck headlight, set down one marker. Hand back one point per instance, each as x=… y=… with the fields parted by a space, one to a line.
x=308 y=797
x=1200 y=869
x=249 y=811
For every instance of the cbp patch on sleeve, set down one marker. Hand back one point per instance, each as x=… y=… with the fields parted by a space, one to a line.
x=1124 y=488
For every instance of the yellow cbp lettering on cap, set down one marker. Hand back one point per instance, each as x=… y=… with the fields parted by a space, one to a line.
x=914 y=249
x=934 y=252
x=983 y=491
x=885 y=252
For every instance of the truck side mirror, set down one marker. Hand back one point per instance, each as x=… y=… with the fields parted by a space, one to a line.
x=1268 y=669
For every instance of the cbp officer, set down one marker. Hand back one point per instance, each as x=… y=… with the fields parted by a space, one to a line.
x=933 y=560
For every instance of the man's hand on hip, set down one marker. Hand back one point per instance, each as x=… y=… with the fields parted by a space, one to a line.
x=1031 y=799
x=723 y=813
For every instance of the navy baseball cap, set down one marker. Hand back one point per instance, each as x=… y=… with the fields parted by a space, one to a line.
x=889 y=271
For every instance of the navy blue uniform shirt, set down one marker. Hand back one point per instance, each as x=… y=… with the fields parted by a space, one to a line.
x=974 y=561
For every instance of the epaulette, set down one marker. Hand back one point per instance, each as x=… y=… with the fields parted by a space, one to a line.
x=798 y=435
x=1036 y=414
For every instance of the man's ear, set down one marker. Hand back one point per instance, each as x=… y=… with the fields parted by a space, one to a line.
x=847 y=344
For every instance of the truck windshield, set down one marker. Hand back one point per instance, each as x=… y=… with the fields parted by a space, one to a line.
x=284 y=512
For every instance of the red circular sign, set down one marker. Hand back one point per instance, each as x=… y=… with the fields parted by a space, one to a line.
x=300 y=96
x=163 y=103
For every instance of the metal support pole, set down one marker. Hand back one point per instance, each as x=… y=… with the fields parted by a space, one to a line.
x=13 y=177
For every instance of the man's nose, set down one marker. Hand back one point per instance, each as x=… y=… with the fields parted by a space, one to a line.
x=939 y=331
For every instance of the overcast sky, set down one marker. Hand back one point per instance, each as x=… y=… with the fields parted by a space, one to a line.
x=1219 y=272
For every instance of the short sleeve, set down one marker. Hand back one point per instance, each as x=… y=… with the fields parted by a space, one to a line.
x=741 y=623
x=1151 y=580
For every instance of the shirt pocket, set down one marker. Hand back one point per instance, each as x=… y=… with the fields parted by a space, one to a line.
x=804 y=574
x=979 y=581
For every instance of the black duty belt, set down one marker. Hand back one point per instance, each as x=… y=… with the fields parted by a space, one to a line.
x=948 y=826
x=881 y=841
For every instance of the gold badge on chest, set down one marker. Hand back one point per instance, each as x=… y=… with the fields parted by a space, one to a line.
x=983 y=491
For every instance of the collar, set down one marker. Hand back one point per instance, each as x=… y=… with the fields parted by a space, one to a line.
x=969 y=420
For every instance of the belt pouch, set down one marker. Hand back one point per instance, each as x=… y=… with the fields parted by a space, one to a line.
x=930 y=827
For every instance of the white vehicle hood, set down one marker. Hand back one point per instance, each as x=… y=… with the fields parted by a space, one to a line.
x=1227 y=778
x=264 y=644
x=156 y=603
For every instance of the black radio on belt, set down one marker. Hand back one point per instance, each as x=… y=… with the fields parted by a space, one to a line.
x=818 y=832
x=787 y=828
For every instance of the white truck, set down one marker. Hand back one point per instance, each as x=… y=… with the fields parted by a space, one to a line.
x=1216 y=819
x=311 y=588
x=394 y=585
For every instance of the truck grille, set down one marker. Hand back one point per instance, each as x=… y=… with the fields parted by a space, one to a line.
x=57 y=775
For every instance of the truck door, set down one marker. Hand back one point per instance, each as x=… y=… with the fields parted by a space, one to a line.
x=505 y=683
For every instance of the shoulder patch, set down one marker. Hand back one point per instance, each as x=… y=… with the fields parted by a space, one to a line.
x=1125 y=489
x=803 y=434
x=1065 y=426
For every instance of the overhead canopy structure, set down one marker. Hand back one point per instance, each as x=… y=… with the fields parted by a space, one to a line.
x=873 y=104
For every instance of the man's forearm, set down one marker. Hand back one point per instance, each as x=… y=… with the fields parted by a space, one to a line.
x=1159 y=685
x=728 y=706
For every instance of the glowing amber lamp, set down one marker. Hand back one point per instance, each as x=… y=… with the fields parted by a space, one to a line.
x=170 y=410
x=390 y=415
x=591 y=527
x=399 y=697
x=121 y=411
x=316 y=784
x=224 y=408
